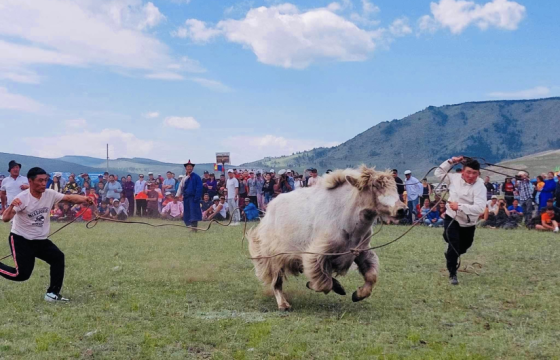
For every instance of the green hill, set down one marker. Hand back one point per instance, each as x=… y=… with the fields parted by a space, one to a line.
x=49 y=165
x=495 y=130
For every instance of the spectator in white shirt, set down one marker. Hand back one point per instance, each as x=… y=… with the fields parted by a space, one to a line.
x=173 y=210
x=232 y=186
x=13 y=184
x=414 y=189
x=139 y=187
x=313 y=180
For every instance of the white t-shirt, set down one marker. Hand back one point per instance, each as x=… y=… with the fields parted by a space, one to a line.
x=32 y=220
x=231 y=184
x=312 y=181
x=224 y=209
x=13 y=187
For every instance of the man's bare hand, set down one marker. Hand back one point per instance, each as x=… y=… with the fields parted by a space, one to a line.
x=24 y=187
x=453 y=205
x=16 y=202
x=456 y=159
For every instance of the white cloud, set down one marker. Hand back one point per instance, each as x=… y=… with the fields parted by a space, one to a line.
x=187 y=64
x=427 y=24
x=121 y=144
x=151 y=115
x=536 y=92
x=457 y=15
x=251 y=148
x=79 y=33
x=18 y=102
x=185 y=123
x=197 y=31
x=400 y=27
x=165 y=76
x=212 y=84
x=76 y=123
x=283 y=36
x=369 y=8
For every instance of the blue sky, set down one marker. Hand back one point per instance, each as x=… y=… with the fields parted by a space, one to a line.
x=174 y=79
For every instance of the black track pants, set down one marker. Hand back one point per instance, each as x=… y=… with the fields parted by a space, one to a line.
x=460 y=240
x=24 y=253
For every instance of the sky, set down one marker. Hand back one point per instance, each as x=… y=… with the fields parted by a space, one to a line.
x=174 y=80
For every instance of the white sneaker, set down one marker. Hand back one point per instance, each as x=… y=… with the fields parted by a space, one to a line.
x=431 y=225
x=556 y=230
x=52 y=297
x=234 y=224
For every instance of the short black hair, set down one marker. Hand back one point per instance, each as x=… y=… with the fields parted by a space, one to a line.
x=550 y=208
x=395 y=171
x=34 y=172
x=473 y=164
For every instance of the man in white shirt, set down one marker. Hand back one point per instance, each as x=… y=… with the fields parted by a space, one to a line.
x=173 y=210
x=466 y=202
x=140 y=186
x=13 y=184
x=30 y=230
x=232 y=186
x=414 y=189
x=313 y=180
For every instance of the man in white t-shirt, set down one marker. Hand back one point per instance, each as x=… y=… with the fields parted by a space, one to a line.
x=28 y=240
x=313 y=180
x=13 y=184
x=232 y=186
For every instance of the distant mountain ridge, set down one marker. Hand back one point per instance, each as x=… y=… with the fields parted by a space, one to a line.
x=494 y=130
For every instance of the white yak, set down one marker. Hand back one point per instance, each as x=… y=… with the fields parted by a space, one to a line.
x=334 y=216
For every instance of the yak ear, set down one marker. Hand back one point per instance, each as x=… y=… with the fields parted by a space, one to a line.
x=352 y=181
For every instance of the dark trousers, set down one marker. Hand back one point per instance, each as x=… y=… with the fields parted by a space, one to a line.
x=459 y=239
x=24 y=253
x=141 y=205
x=254 y=200
x=130 y=204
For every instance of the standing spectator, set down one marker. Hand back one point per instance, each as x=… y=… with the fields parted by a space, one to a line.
x=232 y=186
x=55 y=185
x=152 y=201
x=253 y=186
x=260 y=194
x=139 y=188
x=85 y=189
x=128 y=191
x=100 y=191
x=400 y=184
x=242 y=190
x=105 y=178
x=205 y=179
x=221 y=185
x=313 y=180
x=268 y=188
x=413 y=191
x=173 y=210
x=13 y=184
x=508 y=189
x=113 y=189
x=489 y=187
x=557 y=192
x=178 y=182
x=524 y=189
x=538 y=188
x=547 y=191
x=169 y=183
x=191 y=189
x=71 y=186
x=426 y=191
x=87 y=179
x=298 y=182
x=151 y=179
x=284 y=182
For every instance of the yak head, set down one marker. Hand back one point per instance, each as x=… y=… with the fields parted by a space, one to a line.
x=377 y=189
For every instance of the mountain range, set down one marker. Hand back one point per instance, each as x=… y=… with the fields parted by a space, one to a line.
x=494 y=130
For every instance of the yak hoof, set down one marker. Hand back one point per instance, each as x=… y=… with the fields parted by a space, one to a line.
x=285 y=308
x=308 y=285
x=337 y=288
x=356 y=298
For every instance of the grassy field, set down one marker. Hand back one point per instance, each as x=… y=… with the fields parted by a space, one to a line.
x=140 y=293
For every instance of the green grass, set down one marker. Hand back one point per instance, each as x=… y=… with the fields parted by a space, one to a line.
x=139 y=293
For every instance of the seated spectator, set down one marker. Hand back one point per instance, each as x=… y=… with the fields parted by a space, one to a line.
x=490 y=211
x=93 y=196
x=205 y=203
x=173 y=210
x=515 y=211
x=433 y=219
x=424 y=210
x=250 y=211
x=547 y=221
x=212 y=187
x=442 y=210
x=56 y=212
x=153 y=198
x=71 y=186
x=218 y=211
x=103 y=209
x=168 y=198
x=118 y=211
x=85 y=189
x=67 y=213
x=83 y=213
x=124 y=202
x=100 y=191
x=221 y=185
x=500 y=216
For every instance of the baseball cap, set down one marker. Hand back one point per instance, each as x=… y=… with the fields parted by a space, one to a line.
x=206 y=172
x=282 y=172
x=216 y=198
x=494 y=197
x=167 y=193
x=407 y=172
x=288 y=170
x=150 y=173
x=230 y=171
x=272 y=171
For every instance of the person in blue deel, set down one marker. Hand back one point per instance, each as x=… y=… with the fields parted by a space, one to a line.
x=191 y=189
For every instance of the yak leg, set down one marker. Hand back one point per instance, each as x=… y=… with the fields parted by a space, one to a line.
x=283 y=305
x=367 y=263
x=318 y=271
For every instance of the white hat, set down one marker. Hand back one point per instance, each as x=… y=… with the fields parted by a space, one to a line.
x=408 y=172
x=181 y=176
x=167 y=193
x=282 y=172
x=521 y=173
x=150 y=173
x=288 y=170
x=230 y=171
x=216 y=197
x=272 y=171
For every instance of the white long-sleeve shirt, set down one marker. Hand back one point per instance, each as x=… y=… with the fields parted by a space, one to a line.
x=414 y=188
x=471 y=197
x=139 y=186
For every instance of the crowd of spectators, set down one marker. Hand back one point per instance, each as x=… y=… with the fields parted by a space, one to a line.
x=518 y=200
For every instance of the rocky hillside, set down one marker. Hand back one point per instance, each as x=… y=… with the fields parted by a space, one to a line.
x=495 y=130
